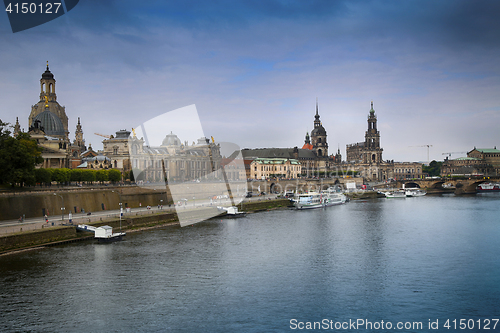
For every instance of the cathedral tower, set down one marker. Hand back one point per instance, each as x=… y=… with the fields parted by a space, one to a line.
x=79 y=141
x=318 y=136
x=372 y=140
x=47 y=112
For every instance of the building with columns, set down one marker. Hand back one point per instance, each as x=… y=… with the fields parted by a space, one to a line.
x=479 y=161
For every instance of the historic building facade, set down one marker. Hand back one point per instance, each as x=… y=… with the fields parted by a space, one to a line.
x=369 y=151
x=366 y=157
x=48 y=125
x=172 y=160
x=265 y=168
x=313 y=157
x=479 y=161
x=117 y=150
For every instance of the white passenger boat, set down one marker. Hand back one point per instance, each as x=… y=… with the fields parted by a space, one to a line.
x=332 y=197
x=414 y=192
x=394 y=194
x=329 y=197
x=308 y=200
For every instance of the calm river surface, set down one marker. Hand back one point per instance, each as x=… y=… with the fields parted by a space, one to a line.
x=397 y=260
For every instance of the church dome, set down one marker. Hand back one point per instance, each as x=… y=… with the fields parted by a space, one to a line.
x=48 y=74
x=171 y=140
x=51 y=123
x=320 y=130
x=122 y=134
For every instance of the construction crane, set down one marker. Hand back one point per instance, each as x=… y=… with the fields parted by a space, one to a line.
x=428 y=146
x=454 y=153
x=103 y=135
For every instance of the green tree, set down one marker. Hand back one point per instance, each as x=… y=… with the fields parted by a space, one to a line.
x=43 y=176
x=18 y=157
x=76 y=175
x=62 y=175
x=101 y=176
x=88 y=176
x=433 y=169
x=114 y=175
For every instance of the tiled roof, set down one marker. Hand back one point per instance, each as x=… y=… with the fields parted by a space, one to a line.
x=488 y=150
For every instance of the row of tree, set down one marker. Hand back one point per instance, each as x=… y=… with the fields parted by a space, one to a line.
x=19 y=155
x=67 y=176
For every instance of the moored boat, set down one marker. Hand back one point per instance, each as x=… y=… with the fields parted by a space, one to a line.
x=415 y=192
x=488 y=187
x=103 y=234
x=232 y=211
x=394 y=194
x=308 y=200
x=332 y=197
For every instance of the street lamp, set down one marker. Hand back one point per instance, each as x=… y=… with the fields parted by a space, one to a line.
x=121 y=214
x=62 y=208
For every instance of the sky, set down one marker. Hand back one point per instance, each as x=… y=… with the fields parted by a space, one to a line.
x=254 y=69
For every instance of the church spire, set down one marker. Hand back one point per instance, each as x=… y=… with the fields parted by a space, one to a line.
x=17 y=127
x=317 y=122
x=79 y=135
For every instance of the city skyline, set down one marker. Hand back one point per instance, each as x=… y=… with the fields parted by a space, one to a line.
x=255 y=69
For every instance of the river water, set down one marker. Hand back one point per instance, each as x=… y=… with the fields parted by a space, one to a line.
x=423 y=260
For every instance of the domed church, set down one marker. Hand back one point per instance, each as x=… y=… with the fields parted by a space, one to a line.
x=48 y=125
x=51 y=115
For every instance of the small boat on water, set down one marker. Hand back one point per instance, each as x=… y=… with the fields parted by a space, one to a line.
x=488 y=187
x=231 y=211
x=103 y=234
x=415 y=192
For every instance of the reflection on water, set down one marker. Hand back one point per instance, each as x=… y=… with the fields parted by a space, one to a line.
x=393 y=260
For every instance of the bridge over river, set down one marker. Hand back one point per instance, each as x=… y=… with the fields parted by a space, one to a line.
x=454 y=185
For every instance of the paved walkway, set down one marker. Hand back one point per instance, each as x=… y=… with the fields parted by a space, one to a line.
x=37 y=223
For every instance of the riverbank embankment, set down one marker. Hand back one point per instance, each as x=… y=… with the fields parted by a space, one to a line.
x=67 y=233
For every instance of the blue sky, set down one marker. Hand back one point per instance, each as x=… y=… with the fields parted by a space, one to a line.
x=255 y=68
